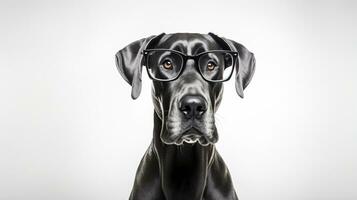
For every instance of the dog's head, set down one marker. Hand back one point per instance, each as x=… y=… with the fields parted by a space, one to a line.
x=188 y=71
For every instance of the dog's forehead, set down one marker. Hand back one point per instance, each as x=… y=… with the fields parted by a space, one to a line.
x=188 y=43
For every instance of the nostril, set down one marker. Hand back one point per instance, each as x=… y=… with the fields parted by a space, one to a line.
x=186 y=109
x=201 y=109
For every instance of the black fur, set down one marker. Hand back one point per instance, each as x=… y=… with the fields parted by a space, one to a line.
x=172 y=169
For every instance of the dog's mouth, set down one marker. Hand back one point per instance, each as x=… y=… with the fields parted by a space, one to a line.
x=189 y=136
x=190 y=139
x=193 y=136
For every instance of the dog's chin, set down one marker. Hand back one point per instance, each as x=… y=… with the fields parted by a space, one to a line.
x=200 y=141
x=189 y=137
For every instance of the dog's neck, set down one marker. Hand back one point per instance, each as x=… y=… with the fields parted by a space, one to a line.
x=183 y=167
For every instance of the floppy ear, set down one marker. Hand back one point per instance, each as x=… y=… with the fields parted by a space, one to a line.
x=129 y=62
x=244 y=67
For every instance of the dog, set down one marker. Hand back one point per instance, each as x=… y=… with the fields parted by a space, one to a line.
x=188 y=71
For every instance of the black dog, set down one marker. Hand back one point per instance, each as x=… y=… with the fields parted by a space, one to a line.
x=187 y=71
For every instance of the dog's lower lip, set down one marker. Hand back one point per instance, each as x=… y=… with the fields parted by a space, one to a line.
x=190 y=141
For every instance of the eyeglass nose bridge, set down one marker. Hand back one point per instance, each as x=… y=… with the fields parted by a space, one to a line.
x=194 y=58
x=189 y=57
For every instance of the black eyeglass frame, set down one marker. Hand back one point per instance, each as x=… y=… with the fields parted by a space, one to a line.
x=185 y=57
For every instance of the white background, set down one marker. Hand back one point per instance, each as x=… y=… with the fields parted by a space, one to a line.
x=70 y=131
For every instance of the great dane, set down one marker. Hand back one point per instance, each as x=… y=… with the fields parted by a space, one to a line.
x=188 y=71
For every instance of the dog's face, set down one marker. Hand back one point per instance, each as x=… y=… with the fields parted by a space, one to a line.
x=186 y=105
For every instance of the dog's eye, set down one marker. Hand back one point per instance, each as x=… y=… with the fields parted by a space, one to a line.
x=211 y=66
x=167 y=64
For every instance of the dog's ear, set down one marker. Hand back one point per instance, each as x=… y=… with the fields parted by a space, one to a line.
x=129 y=62
x=244 y=67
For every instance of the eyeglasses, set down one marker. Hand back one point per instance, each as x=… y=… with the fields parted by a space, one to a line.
x=168 y=65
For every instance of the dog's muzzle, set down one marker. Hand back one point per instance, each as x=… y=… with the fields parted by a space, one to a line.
x=193 y=109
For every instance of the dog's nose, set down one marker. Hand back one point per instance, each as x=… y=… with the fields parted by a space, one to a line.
x=193 y=106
